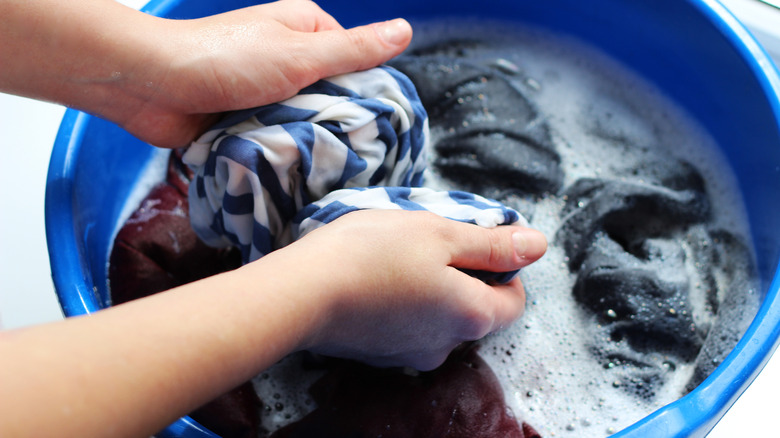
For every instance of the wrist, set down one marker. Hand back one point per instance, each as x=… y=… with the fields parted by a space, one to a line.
x=290 y=292
x=124 y=64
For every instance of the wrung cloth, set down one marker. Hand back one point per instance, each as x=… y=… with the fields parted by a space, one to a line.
x=266 y=176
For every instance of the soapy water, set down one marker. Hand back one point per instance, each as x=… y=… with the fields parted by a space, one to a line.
x=648 y=281
x=627 y=216
x=592 y=155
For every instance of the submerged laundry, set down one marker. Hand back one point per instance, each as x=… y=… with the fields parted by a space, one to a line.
x=628 y=242
x=356 y=400
x=649 y=280
x=489 y=133
x=156 y=249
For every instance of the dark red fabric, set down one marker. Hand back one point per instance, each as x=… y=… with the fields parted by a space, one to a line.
x=157 y=249
x=233 y=415
x=460 y=399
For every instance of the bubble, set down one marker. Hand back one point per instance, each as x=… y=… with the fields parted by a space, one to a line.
x=533 y=84
x=506 y=66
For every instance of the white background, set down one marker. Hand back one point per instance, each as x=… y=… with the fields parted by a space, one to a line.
x=27 y=132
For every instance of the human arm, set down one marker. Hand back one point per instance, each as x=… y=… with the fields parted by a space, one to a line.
x=378 y=286
x=166 y=80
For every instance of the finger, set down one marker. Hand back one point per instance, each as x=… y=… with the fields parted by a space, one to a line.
x=510 y=304
x=359 y=48
x=489 y=308
x=500 y=249
x=423 y=360
x=304 y=16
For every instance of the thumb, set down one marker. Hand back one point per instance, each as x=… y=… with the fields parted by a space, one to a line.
x=359 y=48
x=499 y=249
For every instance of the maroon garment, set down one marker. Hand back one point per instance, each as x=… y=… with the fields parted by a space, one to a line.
x=235 y=414
x=156 y=249
x=460 y=399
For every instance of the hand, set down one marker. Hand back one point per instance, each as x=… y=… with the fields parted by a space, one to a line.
x=395 y=296
x=164 y=80
x=246 y=58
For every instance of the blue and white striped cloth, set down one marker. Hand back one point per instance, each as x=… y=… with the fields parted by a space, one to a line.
x=267 y=176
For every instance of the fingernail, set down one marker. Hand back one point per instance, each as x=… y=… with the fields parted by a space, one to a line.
x=394 y=32
x=530 y=244
x=520 y=242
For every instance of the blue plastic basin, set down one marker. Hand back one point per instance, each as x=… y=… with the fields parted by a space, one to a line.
x=694 y=50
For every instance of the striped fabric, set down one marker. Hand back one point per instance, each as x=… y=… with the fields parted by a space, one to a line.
x=267 y=176
x=455 y=205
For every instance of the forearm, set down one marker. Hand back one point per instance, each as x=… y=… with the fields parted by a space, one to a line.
x=139 y=366
x=78 y=53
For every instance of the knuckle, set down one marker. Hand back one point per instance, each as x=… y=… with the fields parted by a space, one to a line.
x=359 y=44
x=495 y=244
x=477 y=323
x=439 y=228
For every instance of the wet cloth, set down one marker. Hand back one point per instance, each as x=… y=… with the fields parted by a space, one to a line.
x=263 y=177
